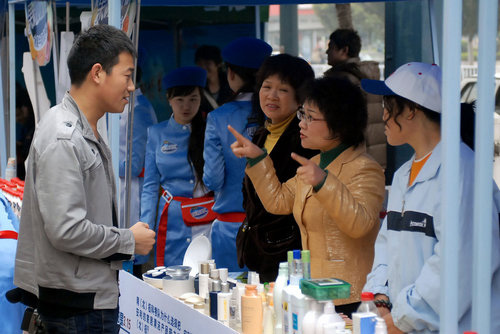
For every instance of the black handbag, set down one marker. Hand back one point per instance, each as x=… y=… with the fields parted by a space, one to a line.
x=263 y=246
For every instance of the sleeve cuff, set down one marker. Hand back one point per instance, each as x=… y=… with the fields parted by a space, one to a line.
x=317 y=187
x=253 y=161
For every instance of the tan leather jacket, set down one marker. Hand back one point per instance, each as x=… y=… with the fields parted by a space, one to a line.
x=340 y=222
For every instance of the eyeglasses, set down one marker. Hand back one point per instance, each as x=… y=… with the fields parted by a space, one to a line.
x=301 y=115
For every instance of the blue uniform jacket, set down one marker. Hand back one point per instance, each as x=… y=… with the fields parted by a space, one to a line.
x=407 y=264
x=144 y=117
x=224 y=172
x=167 y=166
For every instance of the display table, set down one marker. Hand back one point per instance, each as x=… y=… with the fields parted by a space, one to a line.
x=147 y=310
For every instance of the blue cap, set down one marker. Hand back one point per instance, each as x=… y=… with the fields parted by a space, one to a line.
x=296 y=254
x=247 y=52
x=185 y=76
x=376 y=87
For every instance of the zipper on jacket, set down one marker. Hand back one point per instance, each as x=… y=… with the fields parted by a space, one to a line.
x=403 y=208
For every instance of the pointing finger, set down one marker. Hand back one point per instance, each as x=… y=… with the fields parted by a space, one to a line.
x=237 y=135
x=301 y=160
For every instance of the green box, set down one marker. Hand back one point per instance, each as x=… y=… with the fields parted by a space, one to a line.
x=325 y=288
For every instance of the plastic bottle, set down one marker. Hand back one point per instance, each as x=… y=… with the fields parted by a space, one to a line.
x=10 y=171
x=367 y=304
x=279 y=285
x=203 y=280
x=299 y=310
x=251 y=311
x=311 y=317
x=223 y=300
x=234 y=320
x=268 y=321
x=289 y=290
x=364 y=319
x=290 y=264
x=380 y=327
x=216 y=288
x=306 y=263
x=329 y=316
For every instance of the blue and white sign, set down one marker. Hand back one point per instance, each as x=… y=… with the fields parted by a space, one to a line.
x=148 y=310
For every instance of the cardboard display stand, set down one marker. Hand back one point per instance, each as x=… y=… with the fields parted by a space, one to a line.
x=148 y=310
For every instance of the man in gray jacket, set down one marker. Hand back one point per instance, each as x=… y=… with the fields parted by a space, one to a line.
x=69 y=244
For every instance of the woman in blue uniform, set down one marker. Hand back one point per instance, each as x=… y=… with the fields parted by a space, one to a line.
x=223 y=172
x=174 y=167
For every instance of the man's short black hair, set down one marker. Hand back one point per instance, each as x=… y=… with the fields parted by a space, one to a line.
x=208 y=52
x=343 y=106
x=341 y=38
x=101 y=44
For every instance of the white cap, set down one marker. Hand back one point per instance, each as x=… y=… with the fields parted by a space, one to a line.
x=417 y=82
x=329 y=308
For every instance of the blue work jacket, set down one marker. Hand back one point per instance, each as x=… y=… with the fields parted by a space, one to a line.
x=167 y=166
x=408 y=250
x=224 y=172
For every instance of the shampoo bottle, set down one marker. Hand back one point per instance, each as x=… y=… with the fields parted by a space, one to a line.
x=329 y=316
x=223 y=300
x=289 y=290
x=279 y=285
x=251 y=311
x=269 y=319
x=203 y=280
x=311 y=317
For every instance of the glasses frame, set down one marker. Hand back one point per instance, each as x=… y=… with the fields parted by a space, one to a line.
x=308 y=119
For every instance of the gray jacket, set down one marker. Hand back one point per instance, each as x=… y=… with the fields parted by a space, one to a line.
x=68 y=240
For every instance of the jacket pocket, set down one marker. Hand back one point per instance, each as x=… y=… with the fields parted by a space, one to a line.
x=92 y=158
x=84 y=267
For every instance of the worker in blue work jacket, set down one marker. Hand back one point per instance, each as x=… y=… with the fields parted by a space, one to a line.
x=224 y=172
x=11 y=315
x=144 y=117
x=174 y=201
x=408 y=264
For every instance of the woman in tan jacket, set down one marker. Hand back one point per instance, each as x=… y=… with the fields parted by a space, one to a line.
x=336 y=196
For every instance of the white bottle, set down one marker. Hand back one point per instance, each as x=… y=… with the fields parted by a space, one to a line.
x=10 y=171
x=223 y=300
x=311 y=317
x=367 y=304
x=329 y=316
x=279 y=285
x=364 y=319
x=299 y=309
x=269 y=319
x=241 y=292
x=380 y=327
x=234 y=320
x=288 y=291
x=203 y=280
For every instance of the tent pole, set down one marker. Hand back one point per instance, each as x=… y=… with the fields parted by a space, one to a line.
x=257 y=22
x=483 y=171
x=114 y=119
x=12 y=79
x=434 y=36
x=450 y=138
x=3 y=137
x=130 y=125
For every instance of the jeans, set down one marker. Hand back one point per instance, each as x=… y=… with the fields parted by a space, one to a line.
x=94 y=322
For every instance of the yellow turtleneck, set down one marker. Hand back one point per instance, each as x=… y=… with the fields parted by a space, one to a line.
x=276 y=130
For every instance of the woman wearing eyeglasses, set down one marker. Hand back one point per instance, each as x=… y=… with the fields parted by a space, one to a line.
x=336 y=196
